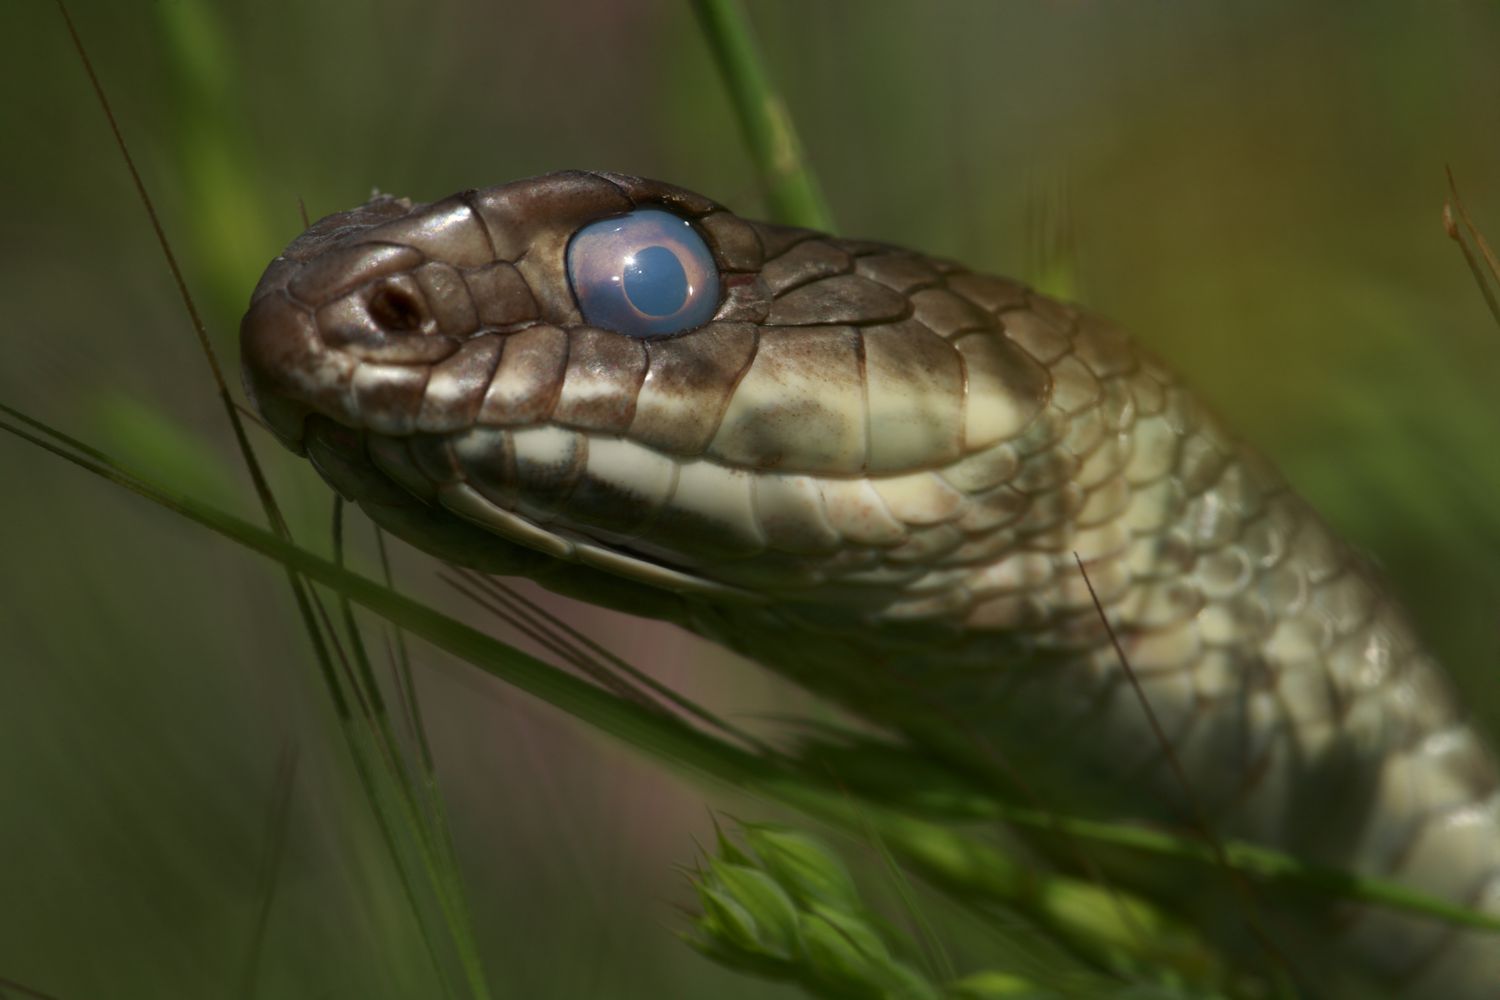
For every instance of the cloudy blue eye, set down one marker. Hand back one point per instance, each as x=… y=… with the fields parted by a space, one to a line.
x=646 y=274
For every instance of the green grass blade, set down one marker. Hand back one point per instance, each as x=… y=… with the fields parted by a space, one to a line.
x=791 y=188
x=1483 y=274
x=228 y=238
x=276 y=836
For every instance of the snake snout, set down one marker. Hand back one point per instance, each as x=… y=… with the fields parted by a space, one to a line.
x=276 y=338
x=352 y=319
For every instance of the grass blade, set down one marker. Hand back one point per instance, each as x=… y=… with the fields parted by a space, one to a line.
x=1491 y=263
x=791 y=189
x=276 y=833
x=23 y=991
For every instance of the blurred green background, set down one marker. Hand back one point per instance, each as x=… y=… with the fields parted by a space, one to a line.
x=1254 y=189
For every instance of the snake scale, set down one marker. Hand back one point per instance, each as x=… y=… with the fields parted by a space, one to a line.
x=872 y=471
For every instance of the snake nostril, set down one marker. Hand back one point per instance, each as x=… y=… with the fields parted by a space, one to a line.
x=396 y=309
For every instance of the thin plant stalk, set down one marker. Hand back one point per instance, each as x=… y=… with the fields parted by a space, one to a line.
x=276 y=835
x=792 y=190
x=1455 y=206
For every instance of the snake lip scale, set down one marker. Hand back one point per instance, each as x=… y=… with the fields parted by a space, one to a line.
x=871 y=470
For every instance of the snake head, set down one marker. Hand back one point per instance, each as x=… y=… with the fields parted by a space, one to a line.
x=352 y=320
x=620 y=373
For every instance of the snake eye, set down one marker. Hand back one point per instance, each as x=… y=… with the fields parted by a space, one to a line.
x=646 y=274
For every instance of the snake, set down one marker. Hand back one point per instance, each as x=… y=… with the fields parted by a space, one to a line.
x=965 y=511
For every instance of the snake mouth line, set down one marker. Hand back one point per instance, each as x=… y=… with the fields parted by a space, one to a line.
x=363 y=466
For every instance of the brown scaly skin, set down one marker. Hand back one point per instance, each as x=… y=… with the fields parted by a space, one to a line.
x=871 y=472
